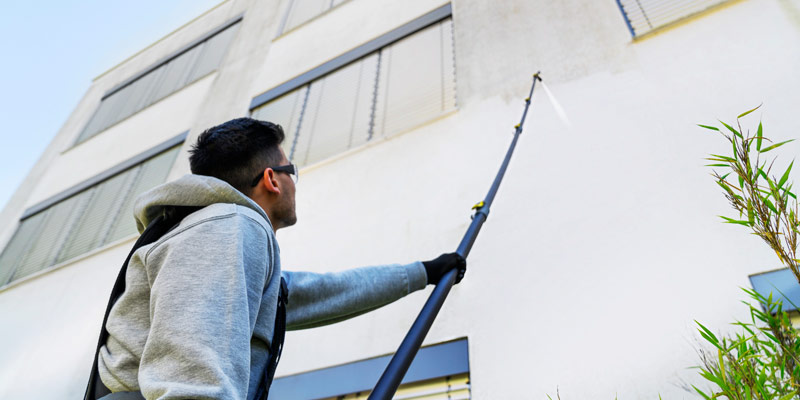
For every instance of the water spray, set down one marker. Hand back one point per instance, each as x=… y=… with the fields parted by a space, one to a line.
x=557 y=106
x=398 y=366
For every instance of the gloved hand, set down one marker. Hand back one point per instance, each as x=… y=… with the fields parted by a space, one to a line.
x=437 y=267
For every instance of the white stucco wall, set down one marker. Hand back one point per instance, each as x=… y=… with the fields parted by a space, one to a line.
x=603 y=245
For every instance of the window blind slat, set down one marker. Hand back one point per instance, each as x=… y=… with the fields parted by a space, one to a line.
x=160 y=82
x=417 y=82
x=213 y=53
x=45 y=247
x=394 y=89
x=177 y=72
x=93 y=226
x=303 y=10
x=19 y=244
x=80 y=223
x=338 y=111
x=151 y=174
x=284 y=111
x=647 y=15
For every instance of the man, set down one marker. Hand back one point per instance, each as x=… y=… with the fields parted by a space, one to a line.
x=197 y=317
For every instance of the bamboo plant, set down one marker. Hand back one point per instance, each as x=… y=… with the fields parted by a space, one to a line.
x=763 y=360
x=766 y=203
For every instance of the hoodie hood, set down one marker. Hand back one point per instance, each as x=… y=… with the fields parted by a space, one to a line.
x=190 y=190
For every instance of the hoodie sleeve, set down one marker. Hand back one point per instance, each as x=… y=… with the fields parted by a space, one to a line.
x=320 y=299
x=203 y=308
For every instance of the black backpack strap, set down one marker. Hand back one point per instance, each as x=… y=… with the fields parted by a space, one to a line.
x=157 y=228
x=276 y=346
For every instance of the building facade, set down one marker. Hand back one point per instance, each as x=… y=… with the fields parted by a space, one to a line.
x=601 y=250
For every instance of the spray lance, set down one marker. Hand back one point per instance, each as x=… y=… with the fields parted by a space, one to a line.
x=398 y=366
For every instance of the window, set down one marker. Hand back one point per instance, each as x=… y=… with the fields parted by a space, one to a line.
x=301 y=11
x=781 y=284
x=643 y=16
x=440 y=371
x=159 y=81
x=390 y=89
x=84 y=219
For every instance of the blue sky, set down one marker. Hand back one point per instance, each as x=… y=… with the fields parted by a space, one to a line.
x=52 y=51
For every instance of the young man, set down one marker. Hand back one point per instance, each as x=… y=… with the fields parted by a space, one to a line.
x=196 y=319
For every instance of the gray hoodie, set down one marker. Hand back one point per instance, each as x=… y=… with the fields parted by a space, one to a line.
x=196 y=318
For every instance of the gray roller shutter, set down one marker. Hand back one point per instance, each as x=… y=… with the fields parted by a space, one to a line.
x=394 y=89
x=93 y=217
x=417 y=80
x=646 y=15
x=337 y=114
x=19 y=245
x=285 y=111
x=160 y=82
x=92 y=228
x=213 y=52
x=150 y=174
x=59 y=221
x=303 y=10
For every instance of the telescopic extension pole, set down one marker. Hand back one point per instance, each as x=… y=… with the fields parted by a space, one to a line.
x=398 y=366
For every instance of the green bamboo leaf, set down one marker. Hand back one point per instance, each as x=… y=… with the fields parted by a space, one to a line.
x=725 y=186
x=705 y=396
x=789 y=396
x=748 y=112
x=775 y=146
x=730 y=128
x=762 y=173
x=713 y=378
x=726 y=158
x=709 y=127
x=735 y=221
x=759 y=136
x=741 y=181
x=717 y=165
x=707 y=334
x=785 y=175
x=772 y=188
x=771 y=337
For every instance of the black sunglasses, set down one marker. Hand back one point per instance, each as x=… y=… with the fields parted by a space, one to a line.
x=290 y=169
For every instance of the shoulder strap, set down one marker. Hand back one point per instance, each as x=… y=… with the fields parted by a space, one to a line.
x=171 y=217
x=276 y=346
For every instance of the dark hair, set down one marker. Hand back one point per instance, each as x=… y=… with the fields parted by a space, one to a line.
x=236 y=151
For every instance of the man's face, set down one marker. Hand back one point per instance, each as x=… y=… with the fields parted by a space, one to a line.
x=284 y=208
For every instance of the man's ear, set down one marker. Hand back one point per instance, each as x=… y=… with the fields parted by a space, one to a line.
x=270 y=183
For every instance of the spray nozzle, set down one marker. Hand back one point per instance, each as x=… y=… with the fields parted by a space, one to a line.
x=537 y=76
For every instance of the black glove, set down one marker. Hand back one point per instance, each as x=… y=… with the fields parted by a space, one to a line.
x=437 y=267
